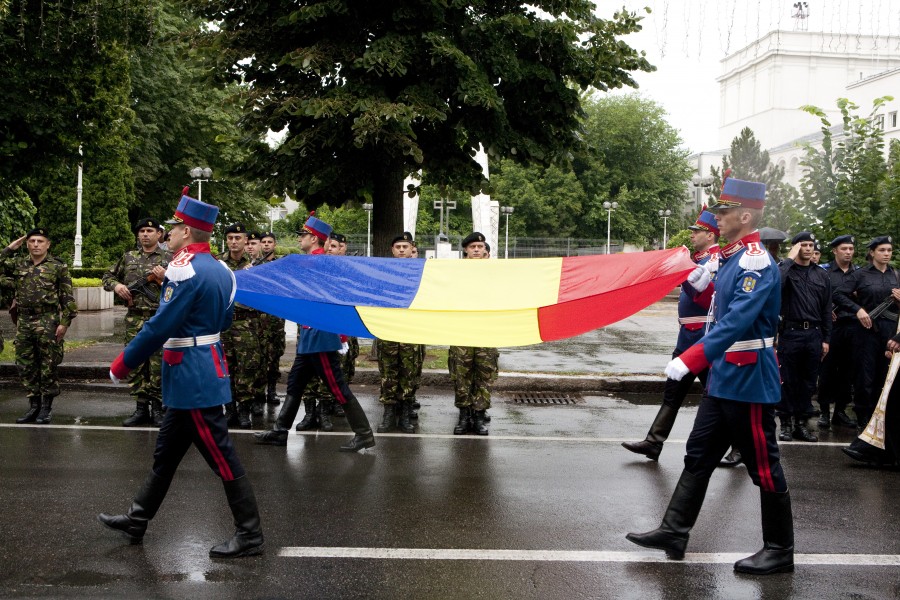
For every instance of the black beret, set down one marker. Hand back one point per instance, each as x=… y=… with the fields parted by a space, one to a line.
x=340 y=237
x=235 y=228
x=266 y=234
x=817 y=247
x=842 y=239
x=475 y=236
x=487 y=247
x=803 y=236
x=403 y=237
x=882 y=239
x=37 y=231
x=253 y=235
x=147 y=222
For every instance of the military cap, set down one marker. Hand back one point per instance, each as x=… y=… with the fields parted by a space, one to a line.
x=803 y=236
x=403 y=237
x=475 y=236
x=817 y=247
x=340 y=237
x=253 y=235
x=266 y=234
x=842 y=239
x=37 y=231
x=236 y=228
x=487 y=247
x=882 y=239
x=316 y=227
x=147 y=222
x=737 y=192
x=706 y=221
x=194 y=213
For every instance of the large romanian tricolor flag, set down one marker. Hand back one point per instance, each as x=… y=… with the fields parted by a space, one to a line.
x=492 y=303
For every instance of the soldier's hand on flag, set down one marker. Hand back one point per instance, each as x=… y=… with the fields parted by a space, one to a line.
x=699 y=278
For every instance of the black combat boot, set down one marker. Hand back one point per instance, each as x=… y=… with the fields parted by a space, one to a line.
x=278 y=435
x=359 y=423
x=46 y=413
x=248 y=536
x=256 y=408
x=785 y=433
x=325 y=423
x=157 y=412
x=35 y=407
x=309 y=420
x=732 y=459
x=777 y=554
x=824 y=421
x=338 y=410
x=802 y=432
x=244 y=415
x=652 y=445
x=388 y=419
x=842 y=419
x=672 y=535
x=133 y=524
x=479 y=427
x=464 y=425
x=271 y=398
x=403 y=422
x=140 y=416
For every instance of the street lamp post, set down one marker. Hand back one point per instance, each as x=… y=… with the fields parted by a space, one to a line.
x=368 y=208
x=665 y=214
x=506 y=210
x=200 y=174
x=609 y=206
x=76 y=262
x=700 y=183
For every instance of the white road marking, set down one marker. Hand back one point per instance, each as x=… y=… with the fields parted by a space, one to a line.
x=876 y=560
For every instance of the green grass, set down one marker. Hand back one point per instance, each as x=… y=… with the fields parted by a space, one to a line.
x=9 y=352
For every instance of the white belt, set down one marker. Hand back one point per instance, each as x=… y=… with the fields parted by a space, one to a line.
x=700 y=319
x=752 y=344
x=200 y=340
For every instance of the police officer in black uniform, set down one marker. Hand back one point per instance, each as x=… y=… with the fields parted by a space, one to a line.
x=836 y=376
x=804 y=335
x=877 y=288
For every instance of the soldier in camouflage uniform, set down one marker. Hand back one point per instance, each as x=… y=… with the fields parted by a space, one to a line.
x=272 y=328
x=46 y=307
x=241 y=341
x=473 y=370
x=254 y=250
x=399 y=365
x=136 y=279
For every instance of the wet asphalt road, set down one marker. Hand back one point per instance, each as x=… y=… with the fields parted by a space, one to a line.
x=547 y=478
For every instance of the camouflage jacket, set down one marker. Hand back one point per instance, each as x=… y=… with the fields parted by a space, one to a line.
x=44 y=287
x=244 y=262
x=264 y=259
x=131 y=269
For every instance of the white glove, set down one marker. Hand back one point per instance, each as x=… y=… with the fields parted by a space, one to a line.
x=699 y=278
x=345 y=347
x=676 y=369
x=115 y=379
x=712 y=265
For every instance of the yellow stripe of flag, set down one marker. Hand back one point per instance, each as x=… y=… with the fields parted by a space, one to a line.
x=472 y=328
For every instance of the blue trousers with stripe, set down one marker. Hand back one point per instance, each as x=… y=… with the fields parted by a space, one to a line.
x=205 y=428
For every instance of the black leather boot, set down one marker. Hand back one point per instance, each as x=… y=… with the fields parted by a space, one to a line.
x=652 y=445
x=785 y=434
x=46 y=413
x=271 y=398
x=278 y=435
x=338 y=410
x=672 y=535
x=479 y=426
x=256 y=408
x=35 y=407
x=732 y=459
x=157 y=413
x=801 y=431
x=464 y=425
x=248 y=536
x=777 y=554
x=403 y=422
x=842 y=419
x=824 y=421
x=140 y=416
x=309 y=420
x=388 y=419
x=244 y=415
x=325 y=423
x=359 y=423
x=146 y=502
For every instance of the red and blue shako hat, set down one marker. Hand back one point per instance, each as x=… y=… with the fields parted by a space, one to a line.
x=317 y=227
x=706 y=222
x=737 y=192
x=194 y=213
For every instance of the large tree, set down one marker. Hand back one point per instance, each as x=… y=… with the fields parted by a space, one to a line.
x=368 y=92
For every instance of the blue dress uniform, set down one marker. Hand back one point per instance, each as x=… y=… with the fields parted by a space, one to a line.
x=195 y=306
x=743 y=388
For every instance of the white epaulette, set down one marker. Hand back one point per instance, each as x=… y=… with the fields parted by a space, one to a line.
x=755 y=258
x=181 y=268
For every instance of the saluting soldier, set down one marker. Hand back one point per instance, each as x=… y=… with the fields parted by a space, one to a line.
x=241 y=340
x=877 y=288
x=46 y=307
x=837 y=374
x=136 y=278
x=272 y=326
x=805 y=333
x=472 y=370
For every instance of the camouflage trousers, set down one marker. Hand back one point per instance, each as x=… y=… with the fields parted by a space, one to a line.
x=242 y=351
x=317 y=389
x=146 y=380
x=38 y=354
x=473 y=371
x=400 y=367
x=273 y=345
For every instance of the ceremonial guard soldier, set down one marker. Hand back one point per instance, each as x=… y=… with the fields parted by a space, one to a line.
x=871 y=293
x=136 y=278
x=804 y=336
x=837 y=374
x=472 y=370
x=196 y=306
x=45 y=306
x=744 y=386
x=693 y=320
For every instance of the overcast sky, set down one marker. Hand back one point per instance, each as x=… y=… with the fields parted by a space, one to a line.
x=686 y=39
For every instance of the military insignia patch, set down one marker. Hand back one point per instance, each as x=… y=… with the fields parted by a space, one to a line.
x=749 y=284
x=167 y=295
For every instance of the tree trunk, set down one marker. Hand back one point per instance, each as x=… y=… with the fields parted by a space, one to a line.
x=387 y=220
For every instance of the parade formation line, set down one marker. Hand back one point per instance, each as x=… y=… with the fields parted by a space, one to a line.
x=872 y=560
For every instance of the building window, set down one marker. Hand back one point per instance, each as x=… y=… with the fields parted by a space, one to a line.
x=879 y=122
x=892 y=119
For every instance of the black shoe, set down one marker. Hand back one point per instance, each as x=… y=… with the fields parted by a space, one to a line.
x=801 y=431
x=732 y=459
x=31 y=415
x=339 y=411
x=487 y=417
x=244 y=415
x=785 y=433
x=44 y=417
x=248 y=537
x=866 y=453
x=478 y=425
x=649 y=449
x=464 y=425
x=388 y=419
x=140 y=416
x=157 y=413
x=256 y=409
x=403 y=422
x=272 y=437
x=271 y=397
x=824 y=421
x=310 y=420
x=359 y=442
x=777 y=554
x=325 y=423
x=842 y=419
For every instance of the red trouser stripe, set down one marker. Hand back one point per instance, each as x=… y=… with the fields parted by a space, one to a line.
x=212 y=448
x=216 y=362
x=762 y=450
x=332 y=383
